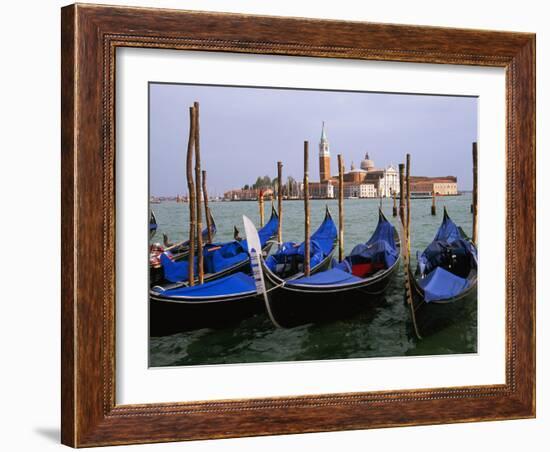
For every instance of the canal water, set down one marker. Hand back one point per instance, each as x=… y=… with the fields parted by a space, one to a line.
x=383 y=332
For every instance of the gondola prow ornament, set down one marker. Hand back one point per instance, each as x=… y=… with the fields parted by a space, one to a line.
x=255 y=251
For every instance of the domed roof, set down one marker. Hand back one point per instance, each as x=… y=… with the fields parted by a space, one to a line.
x=367 y=164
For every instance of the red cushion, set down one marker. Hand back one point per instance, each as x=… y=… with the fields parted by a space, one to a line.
x=365 y=269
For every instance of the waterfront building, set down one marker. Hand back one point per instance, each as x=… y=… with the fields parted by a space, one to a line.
x=441 y=186
x=322 y=190
x=364 y=182
x=367 y=181
x=357 y=190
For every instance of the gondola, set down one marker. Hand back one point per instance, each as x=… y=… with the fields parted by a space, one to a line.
x=219 y=259
x=152 y=225
x=178 y=252
x=444 y=283
x=219 y=302
x=349 y=287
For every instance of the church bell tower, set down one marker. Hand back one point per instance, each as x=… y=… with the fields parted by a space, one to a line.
x=324 y=156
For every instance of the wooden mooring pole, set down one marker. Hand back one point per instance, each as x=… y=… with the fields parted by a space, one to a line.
x=408 y=273
x=306 y=208
x=280 y=202
x=474 y=194
x=261 y=207
x=433 y=202
x=192 y=204
x=340 y=208
x=409 y=204
x=394 y=212
x=206 y=208
x=198 y=188
x=402 y=194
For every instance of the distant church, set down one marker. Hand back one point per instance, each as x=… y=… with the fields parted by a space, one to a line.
x=365 y=182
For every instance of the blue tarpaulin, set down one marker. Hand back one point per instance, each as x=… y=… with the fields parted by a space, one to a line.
x=448 y=231
x=330 y=277
x=446 y=262
x=217 y=256
x=380 y=249
x=175 y=271
x=441 y=285
x=321 y=245
x=236 y=283
x=218 y=259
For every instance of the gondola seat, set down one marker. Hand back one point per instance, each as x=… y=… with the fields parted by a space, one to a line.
x=289 y=259
x=455 y=256
x=368 y=258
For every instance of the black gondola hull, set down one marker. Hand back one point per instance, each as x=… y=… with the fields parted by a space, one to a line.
x=436 y=315
x=170 y=317
x=294 y=306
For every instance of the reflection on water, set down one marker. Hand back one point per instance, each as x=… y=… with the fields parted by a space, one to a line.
x=381 y=332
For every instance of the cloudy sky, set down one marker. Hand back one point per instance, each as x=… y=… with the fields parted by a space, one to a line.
x=244 y=131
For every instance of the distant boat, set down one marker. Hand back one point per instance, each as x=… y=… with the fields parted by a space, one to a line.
x=351 y=286
x=444 y=279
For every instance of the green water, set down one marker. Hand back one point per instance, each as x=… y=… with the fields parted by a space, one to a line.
x=382 y=332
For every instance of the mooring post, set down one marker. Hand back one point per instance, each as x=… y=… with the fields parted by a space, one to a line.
x=192 y=205
x=261 y=206
x=340 y=208
x=306 y=208
x=206 y=208
x=402 y=194
x=408 y=180
x=394 y=212
x=433 y=202
x=198 y=186
x=280 y=202
x=474 y=193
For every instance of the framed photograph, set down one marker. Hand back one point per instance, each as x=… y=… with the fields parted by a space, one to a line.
x=281 y=225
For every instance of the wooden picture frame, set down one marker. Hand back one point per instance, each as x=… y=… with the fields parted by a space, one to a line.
x=90 y=36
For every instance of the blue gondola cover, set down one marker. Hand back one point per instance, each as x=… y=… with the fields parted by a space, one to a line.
x=321 y=245
x=217 y=256
x=237 y=283
x=442 y=285
x=175 y=271
x=446 y=263
x=448 y=231
x=380 y=248
x=333 y=276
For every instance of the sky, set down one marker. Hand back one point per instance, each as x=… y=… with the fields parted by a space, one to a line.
x=246 y=130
